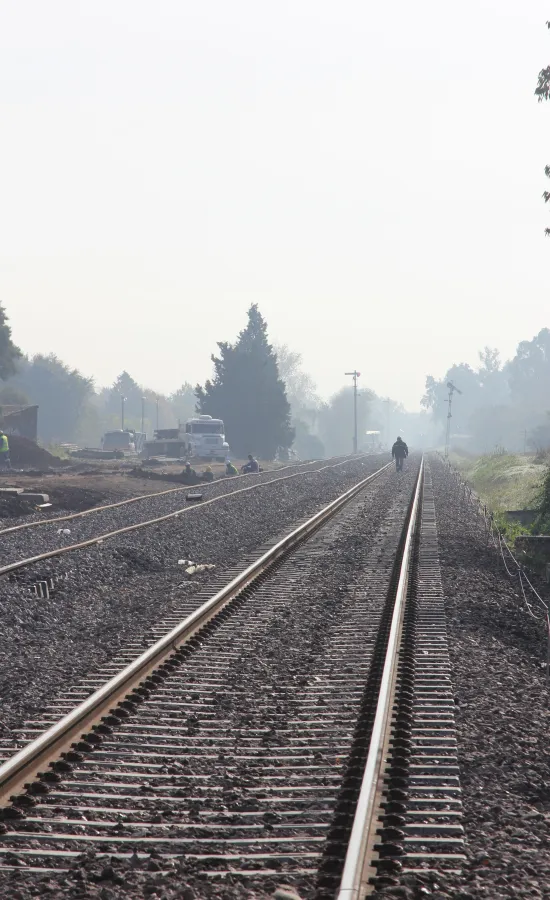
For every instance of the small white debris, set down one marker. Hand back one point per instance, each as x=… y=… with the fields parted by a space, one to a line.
x=196 y=568
x=63 y=530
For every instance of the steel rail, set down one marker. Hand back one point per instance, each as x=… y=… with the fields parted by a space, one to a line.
x=52 y=520
x=363 y=834
x=59 y=551
x=29 y=762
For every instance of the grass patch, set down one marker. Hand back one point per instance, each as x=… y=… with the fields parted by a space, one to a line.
x=504 y=482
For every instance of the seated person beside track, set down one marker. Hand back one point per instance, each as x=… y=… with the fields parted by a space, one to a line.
x=230 y=469
x=189 y=476
x=207 y=475
x=251 y=466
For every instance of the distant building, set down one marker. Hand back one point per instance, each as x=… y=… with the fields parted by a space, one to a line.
x=20 y=420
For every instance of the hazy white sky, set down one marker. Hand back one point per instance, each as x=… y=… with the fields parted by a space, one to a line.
x=370 y=173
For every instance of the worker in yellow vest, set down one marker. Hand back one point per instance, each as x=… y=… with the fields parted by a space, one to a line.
x=5 y=462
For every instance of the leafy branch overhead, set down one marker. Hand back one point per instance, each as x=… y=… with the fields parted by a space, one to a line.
x=9 y=353
x=542 y=92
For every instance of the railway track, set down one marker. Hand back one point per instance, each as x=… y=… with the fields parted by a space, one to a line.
x=17 y=540
x=298 y=726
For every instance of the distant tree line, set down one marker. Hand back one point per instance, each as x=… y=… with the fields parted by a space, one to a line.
x=71 y=409
x=268 y=402
x=502 y=405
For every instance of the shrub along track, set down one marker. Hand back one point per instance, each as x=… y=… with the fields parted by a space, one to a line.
x=240 y=753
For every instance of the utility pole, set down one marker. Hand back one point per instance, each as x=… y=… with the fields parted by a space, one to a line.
x=157 y=413
x=122 y=399
x=355 y=375
x=142 y=414
x=525 y=442
x=451 y=388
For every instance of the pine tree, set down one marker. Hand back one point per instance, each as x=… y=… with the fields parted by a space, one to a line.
x=126 y=387
x=247 y=393
x=9 y=353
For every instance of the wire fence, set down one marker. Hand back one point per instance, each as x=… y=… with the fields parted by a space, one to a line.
x=535 y=606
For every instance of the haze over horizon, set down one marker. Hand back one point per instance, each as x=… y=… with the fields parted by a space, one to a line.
x=370 y=176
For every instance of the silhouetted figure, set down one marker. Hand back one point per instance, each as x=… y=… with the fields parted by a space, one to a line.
x=399 y=452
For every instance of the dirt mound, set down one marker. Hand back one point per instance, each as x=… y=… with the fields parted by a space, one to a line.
x=24 y=452
x=75 y=498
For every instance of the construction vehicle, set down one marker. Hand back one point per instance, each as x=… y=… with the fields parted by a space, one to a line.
x=201 y=436
x=169 y=443
x=126 y=441
x=206 y=438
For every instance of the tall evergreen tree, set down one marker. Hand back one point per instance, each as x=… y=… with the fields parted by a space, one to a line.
x=9 y=353
x=248 y=394
x=126 y=387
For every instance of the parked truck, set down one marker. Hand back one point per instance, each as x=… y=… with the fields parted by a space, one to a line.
x=206 y=438
x=201 y=437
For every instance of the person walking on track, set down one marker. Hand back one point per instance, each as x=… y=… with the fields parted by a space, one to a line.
x=399 y=451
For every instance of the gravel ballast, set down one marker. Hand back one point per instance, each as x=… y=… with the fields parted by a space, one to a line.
x=497 y=653
x=30 y=541
x=293 y=645
x=110 y=593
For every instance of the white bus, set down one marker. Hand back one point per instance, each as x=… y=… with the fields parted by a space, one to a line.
x=206 y=437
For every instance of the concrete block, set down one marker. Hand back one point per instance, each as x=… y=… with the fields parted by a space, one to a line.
x=10 y=491
x=34 y=498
